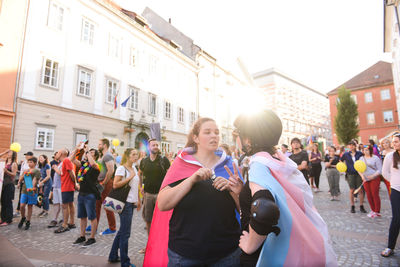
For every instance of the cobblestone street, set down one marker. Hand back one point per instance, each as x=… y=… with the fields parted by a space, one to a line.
x=357 y=239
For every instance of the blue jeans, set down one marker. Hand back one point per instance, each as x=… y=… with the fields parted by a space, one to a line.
x=87 y=206
x=46 y=192
x=176 y=260
x=122 y=237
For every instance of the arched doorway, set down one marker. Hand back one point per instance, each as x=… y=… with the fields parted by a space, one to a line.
x=141 y=142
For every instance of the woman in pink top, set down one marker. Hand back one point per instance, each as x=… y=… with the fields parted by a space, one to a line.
x=391 y=171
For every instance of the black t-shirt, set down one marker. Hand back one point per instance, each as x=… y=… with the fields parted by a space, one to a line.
x=88 y=184
x=203 y=225
x=245 y=199
x=299 y=158
x=334 y=161
x=153 y=172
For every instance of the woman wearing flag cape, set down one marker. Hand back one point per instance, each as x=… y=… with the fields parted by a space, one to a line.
x=195 y=222
x=281 y=226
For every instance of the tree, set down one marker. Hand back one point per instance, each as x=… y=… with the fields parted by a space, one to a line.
x=346 y=126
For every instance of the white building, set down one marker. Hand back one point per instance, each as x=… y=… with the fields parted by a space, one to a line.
x=303 y=110
x=81 y=55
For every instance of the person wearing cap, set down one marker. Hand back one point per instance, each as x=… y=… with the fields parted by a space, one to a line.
x=353 y=178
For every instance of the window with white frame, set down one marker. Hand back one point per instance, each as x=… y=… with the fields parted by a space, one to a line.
x=114 y=47
x=370 y=118
x=181 y=115
x=87 y=32
x=111 y=91
x=152 y=104
x=385 y=94
x=55 y=18
x=84 y=82
x=80 y=136
x=134 y=100
x=167 y=110
x=354 y=97
x=388 y=116
x=374 y=137
x=165 y=147
x=44 y=138
x=132 y=56
x=368 y=97
x=192 y=117
x=50 y=73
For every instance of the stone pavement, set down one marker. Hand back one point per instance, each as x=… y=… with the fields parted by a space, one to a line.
x=357 y=239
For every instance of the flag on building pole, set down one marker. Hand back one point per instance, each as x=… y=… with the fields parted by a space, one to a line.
x=115 y=101
x=123 y=104
x=155 y=131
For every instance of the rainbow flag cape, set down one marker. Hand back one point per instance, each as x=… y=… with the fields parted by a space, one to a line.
x=304 y=238
x=183 y=166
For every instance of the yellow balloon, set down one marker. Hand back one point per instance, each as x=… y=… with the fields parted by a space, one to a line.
x=341 y=167
x=15 y=147
x=360 y=166
x=115 y=142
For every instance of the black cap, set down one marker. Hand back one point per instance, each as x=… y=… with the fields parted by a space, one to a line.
x=29 y=153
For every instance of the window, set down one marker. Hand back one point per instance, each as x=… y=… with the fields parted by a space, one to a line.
x=385 y=94
x=56 y=16
x=84 y=82
x=80 y=136
x=374 y=137
x=87 y=32
x=132 y=57
x=370 y=118
x=388 y=116
x=152 y=104
x=114 y=47
x=192 y=118
x=180 y=115
x=134 y=100
x=50 y=73
x=111 y=91
x=44 y=138
x=165 y=147
x=354 y=97
x=167 y=110
x=368 y=97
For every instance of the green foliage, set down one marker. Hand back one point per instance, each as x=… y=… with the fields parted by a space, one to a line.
x=346 y=126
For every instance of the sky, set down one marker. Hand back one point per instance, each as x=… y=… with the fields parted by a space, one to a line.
x=317 y=42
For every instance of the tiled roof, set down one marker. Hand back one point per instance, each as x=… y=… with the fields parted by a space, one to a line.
x=378 y=74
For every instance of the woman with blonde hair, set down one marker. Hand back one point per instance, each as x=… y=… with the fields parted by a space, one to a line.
x=126 y=174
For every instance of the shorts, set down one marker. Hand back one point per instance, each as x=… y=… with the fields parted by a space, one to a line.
x=149 y=205
x=354 y=180
x=28 y=199
x=67 y=197
x=87 y=206
x=57 y=199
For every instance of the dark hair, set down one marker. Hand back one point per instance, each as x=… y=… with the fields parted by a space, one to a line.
x=46 y=161
x=295 y=139
x=13 y=157
x=372 y=142
x=396 y=155
x=151 y=139
x=285 y=146
x=352 y=143
x=334 y=148
x=106 y=142
x=315 y=145
x=195 y=132
x=96 y=153
x=33 y=159
x=370 y=149
x=263 y=130
x=227 y=149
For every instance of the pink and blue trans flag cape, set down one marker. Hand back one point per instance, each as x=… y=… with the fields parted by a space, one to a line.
x=304 y=238
x=183 y=166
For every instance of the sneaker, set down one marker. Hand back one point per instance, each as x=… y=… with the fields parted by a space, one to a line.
x=387 y=252
x=108 y=232
x=370 y=214
x=118 y=259
x=16 y=214
x=71 y=226
x=21 y=222
x=79 y=240
x=40 y=214
x=362 y=209
x=52 y=224
x=378 y=214
x=27 y=225
x=4 y=224
x=89 y=242
x=332 y=198
x=44 y=214
x=374 y=215
x=353 y=209
x=88 y=229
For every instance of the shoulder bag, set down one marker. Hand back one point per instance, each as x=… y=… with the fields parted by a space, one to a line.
x=115 y=201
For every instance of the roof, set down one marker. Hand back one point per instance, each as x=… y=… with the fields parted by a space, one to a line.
x=280 y=73
x=378 y=74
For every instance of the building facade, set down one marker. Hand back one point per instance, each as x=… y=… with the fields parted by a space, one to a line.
x=374 y=93
x=304 y=111
x=83 y=60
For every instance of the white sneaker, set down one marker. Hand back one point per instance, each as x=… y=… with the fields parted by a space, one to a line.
x=370 y=214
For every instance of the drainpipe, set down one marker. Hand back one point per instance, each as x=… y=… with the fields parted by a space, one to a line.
x=18 y=79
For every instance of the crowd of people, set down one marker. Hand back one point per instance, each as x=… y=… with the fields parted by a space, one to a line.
x=210 y=204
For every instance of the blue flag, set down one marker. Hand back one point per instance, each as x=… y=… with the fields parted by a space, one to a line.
x=123 y=104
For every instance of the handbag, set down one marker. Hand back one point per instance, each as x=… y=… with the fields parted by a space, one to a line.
x=115 y=201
